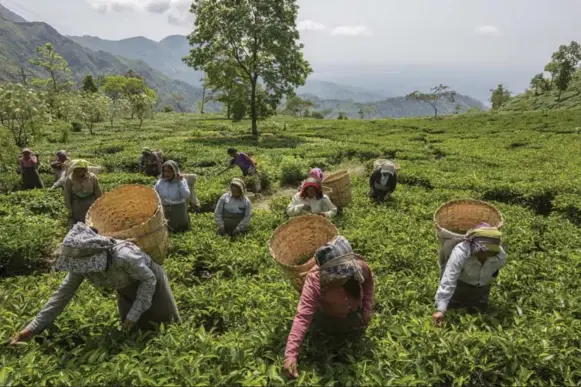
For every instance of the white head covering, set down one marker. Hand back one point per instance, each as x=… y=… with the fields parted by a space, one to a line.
x=388 y=167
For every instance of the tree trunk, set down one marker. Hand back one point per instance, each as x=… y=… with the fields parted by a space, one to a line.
x=435 y=113
x=228 y=112
x=253 y=112
x=203 y=100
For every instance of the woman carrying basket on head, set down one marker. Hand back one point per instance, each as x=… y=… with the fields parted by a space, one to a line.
x=81 y=189
x=144 y=297
x=233 y=211
x=311 y=200
x=337 y=297
x=466 y=278
x=174 y=193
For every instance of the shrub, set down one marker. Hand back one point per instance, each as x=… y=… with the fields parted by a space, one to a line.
x=76 y=126
x=292 y=171
x=238 y=111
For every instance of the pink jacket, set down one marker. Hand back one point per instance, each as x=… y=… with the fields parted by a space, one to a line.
x=334 y=302
x=31 y=162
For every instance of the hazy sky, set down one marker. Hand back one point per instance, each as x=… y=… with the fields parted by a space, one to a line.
x=508 y=38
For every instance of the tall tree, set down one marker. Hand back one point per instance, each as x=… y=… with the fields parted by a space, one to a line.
x=432 y=98
x=60 y=78
x=539 y=84
x=500 y=96
x=22 y=111
x=224 y=79
x=564 y=64
x=89 y=85
x=260 y=36
x=297 y=106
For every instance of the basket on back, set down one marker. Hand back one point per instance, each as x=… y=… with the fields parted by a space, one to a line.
x=135 y=213
x=340 y=185
x=297 y=240
x=455 y=218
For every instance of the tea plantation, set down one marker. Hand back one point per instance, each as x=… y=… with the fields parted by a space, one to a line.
x=237 y=306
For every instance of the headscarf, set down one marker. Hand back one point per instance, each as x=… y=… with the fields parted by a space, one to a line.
x=146 y=150
x=483 y=237
x=240 y=184
x=336 y=261
x=83 y=251
x=312 y=182
x=316 y=173
x=79 y=163
x=62 y=153
x=173 y=165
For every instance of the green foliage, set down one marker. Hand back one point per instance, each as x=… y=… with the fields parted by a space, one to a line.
x=92 y=108
x=296 y=106
x=236 y=305
x=89 y=85
x=437 y=93
x=238 y=110
x=168 y=109
x=76 y=126
x=500 y=96
x=259 y=37
x=22 y=111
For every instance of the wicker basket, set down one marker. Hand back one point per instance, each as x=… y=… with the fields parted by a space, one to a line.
x=135 y=213
x=378 y=163
x=459 y=216
x=340 y=185
x=299 y=237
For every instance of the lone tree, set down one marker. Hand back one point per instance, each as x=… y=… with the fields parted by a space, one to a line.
x=500 y=96
x=260 y=37
x=563 y=65
x=436 y=94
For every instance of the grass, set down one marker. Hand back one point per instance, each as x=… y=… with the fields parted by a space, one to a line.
x=238 y=307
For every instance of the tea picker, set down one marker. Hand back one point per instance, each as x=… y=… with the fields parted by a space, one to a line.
x=144 y=297
x=383 y=180
x=233 y=210
x=336 y=285
x=470 y=255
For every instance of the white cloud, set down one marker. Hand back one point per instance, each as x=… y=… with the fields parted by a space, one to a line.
x=352 y=31
x=151 y=6
x=309 y=25
x=487 y=30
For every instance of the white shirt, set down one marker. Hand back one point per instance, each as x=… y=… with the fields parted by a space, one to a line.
x=318 y=206
x=172 y=192
x=229 y=203
x=465 y=267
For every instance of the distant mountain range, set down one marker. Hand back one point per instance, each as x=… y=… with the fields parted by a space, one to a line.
x=160 y=63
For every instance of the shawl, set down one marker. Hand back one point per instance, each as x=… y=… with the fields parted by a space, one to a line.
x=337 y=261
x=484 y=238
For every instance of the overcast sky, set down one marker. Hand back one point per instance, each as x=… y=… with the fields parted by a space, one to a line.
x=507 y=38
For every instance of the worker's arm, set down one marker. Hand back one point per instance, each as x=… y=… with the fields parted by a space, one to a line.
x=450 y=277
x=331 y=209
x=373 y=178
x=296 y=206
x=219 y=212
x=136 y=265
x=97 y=187
x=368 y=293
x=68 y=195
x=243 y=225
x=184 y=189
x=57 y=303
x=305 y=313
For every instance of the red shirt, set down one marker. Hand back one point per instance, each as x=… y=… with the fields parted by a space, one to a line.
x=333 y=302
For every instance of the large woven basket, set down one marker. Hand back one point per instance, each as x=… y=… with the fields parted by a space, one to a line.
x=134 y=213
x=459 y=216
x=299 y=237
x=340 y=185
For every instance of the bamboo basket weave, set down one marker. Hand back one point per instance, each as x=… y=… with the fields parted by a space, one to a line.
x=299 y=237
x=459 y=216
x=340 y=184
x=134 y=213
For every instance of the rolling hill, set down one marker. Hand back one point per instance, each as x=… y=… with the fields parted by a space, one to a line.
x=20 y=39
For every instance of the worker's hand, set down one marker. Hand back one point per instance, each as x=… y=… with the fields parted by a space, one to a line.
x=291 y=367
x=128 y=324
x=438 y=318
x=306 y=207
x=22 y=336
x=387 y=195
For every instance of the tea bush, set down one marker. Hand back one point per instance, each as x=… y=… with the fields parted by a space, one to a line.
x=236 y=305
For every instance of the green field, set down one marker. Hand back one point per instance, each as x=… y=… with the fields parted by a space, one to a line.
x=237 y=306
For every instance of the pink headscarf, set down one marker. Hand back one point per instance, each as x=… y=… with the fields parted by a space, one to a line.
x=316 y=173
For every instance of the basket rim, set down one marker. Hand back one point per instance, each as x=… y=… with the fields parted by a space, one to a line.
x=293 y=220
x=332 y=176
x=462 y=201
x=159 y=206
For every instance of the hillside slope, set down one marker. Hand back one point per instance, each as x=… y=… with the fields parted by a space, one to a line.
x=20 y=39
x=166 y=56
x=396 y=107
x=527 y=101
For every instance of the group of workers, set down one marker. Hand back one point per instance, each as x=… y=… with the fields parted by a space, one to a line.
x=338 y=293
